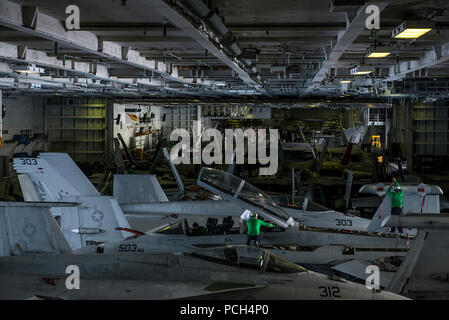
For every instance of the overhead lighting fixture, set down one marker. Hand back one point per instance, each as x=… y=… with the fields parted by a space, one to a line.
x=410 y=30
x=378 y=52
x=277 y=69
x=361 y=70
x=345 y=81
x=28 y=69
x=220 y=83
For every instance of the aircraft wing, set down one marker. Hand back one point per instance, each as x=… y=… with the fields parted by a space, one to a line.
x=357 y=269
x=420 y=221
x=228 y=291
x=222 y=208
x=366 y=202
x=168 y=290
x=381 y=188
x=213 y=289
x=53 y=288
x=423 y=273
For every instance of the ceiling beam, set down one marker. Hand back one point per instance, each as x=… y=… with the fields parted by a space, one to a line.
x=288 y=27
x=344 y=41
x=148 y=39
x=181 y=22
x=72 y=70
x=439 y=54
x=31 y=21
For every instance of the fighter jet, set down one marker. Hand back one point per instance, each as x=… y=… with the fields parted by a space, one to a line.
x=88 y=224
x=37 y=262
x=96 y=220
x=341 y=251
x=54 y=176
x=146 y=206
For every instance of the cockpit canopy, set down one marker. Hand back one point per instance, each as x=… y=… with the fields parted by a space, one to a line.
x=178 y=227
x=234 y=188
x=247 y=257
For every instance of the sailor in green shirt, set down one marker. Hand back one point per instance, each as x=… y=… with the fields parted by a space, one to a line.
x=254 y=225
x=397 y=196
x=198 y=230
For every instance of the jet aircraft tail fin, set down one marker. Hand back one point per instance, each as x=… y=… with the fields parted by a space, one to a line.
x=423 y=274
x=53 y=175
x=94 y=221
x=29 y=228
x=138 y=188
x=417 y=198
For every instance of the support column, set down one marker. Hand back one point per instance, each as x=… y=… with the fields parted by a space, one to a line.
x=409 y=144
x=109 y=125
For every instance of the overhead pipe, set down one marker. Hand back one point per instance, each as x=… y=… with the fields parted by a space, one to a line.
x=210 y=18
x=216 y=25
x=230 y=44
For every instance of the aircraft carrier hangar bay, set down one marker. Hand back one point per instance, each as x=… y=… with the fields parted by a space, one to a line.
x=224 y=149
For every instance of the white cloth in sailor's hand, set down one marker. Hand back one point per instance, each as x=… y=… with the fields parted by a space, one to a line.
x=246 y=215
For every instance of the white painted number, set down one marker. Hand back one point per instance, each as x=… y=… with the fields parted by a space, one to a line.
x=343 y=222
x=29 y=162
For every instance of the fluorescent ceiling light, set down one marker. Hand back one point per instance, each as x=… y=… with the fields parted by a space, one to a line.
x=410 y=33
x=28 y=69
x=345 y=81
x=361 y=70
x=25 y=71
x=410 y=30
x=378 y=54
x=359 y=73
x=277 y=69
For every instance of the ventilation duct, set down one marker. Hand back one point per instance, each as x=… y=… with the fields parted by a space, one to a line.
x=247 y=63
x=197 y=7
x=249 y=54
x=213 y=22
x=253 y=68
x=216 y=25
x=231 y=45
